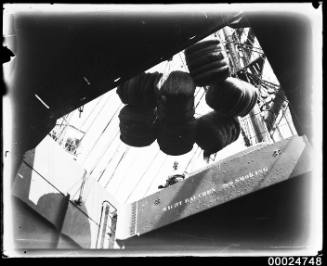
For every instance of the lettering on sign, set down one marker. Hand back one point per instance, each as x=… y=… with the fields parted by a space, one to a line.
x=245 y=177
x=232 y=184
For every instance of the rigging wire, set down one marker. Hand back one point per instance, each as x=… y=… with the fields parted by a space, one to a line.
x=68 y=125
x=81 y=189
x=183 y=62
x=167 y=71
x=89 y=115
x=104 y=170
x=248 y=45
x=197 y=104
x=121 y=179
x=201 y=97
x=288 y=119
x=123 y=174
x=155 y=176
x=75 y=183
x=150 y=164
x=197 y=92
x=78 y=190
x=164 y=77
x=191 y=159
x=98 y=138
x=68 y=120
x=80 y=110
x=97 y=161
x=280 y=119
x=265 y=83
x=109 y=161
x=117 y=166
x=60 y=192
x=87 y=196
x=97 y=114
x=64 y=118
x=142 y=176
x=168 y=67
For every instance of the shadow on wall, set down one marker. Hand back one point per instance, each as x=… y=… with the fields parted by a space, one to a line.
x=72 y=221
x=54 y=223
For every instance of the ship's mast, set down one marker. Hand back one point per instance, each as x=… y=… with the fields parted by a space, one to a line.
x=255 y=128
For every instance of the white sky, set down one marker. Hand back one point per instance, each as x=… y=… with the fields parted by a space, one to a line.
x=130 y=173
x=142 y=169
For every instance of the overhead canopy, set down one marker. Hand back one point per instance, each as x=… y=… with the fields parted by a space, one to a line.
x=70 y=58
x=64 y=60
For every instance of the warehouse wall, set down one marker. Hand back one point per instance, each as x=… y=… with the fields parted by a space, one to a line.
x=32 y=231
x=47 y=187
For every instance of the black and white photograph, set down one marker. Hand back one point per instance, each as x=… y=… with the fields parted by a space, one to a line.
x=163 y=130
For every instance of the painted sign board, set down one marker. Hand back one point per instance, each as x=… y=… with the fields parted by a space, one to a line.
x=222 y=181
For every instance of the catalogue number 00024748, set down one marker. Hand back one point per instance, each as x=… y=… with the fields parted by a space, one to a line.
x=295 y=261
